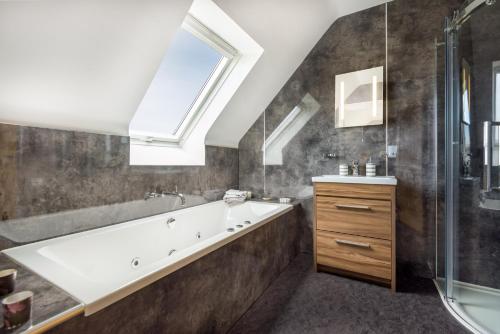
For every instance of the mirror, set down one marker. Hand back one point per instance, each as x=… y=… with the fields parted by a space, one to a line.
x=359 y=98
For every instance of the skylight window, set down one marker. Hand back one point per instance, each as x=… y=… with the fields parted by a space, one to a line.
x=190 y=72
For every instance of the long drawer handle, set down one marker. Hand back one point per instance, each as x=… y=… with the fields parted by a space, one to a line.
x=352 y=243
x=353 y=207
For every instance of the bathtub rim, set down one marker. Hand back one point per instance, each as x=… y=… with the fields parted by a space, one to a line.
x=148 y=279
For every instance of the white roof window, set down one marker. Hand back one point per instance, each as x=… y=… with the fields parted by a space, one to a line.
x=201 y=70
x=191 y=71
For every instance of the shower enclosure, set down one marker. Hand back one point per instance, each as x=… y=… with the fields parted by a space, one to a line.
x=468 y=172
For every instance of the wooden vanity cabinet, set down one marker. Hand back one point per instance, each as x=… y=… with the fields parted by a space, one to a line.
x=355 y=230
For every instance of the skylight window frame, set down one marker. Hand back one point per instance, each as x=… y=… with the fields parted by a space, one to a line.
x=230 y=57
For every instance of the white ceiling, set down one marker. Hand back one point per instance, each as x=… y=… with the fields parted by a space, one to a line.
x=86 y=64
x=81 y=64
x=287 y=30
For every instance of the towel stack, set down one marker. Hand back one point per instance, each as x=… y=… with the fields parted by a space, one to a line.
x=235 y=196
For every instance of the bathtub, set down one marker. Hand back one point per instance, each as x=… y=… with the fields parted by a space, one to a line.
x=102 y=266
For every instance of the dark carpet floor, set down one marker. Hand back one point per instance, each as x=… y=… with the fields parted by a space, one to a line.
x=303 y=301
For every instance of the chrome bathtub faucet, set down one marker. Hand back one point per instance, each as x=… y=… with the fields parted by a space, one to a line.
x=175 y=193
x=154 y=194
x=150 y=195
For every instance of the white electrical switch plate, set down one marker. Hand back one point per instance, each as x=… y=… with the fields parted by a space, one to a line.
x=392 y=151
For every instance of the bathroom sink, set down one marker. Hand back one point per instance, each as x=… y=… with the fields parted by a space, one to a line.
x=387 y=180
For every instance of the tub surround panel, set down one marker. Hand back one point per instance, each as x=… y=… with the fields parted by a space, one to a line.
x=207 y=296
x=25 y=230
x=44 y=171
x=49 y=303
x=86 y=267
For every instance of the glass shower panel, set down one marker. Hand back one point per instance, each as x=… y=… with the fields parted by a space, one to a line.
x=472 y=166
x=439 y=163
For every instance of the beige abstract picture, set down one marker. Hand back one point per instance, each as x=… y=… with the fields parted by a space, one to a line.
x=359 y=98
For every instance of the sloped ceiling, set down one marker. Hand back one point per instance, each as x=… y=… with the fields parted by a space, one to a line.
x=81 y=64
x=86 y=64
x=287 y=30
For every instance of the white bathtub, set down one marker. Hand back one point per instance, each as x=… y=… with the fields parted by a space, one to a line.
x=101 y=266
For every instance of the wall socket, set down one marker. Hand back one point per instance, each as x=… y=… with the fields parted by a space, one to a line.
x=392 y=151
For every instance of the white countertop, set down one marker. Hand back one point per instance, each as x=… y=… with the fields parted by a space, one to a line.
x=386 y=180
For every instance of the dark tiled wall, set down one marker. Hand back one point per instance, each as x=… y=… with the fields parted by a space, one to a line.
x=332 y=55
x=47 y=171
x=208 y=295
x=357 y=42
x=251 y=169
x=303 y=155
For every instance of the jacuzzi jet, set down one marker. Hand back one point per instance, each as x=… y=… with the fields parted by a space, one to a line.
x=198 y=235
x=239 y=226
x=230 y=229
x=135 y=262
x=172 y=251
x=247 y=222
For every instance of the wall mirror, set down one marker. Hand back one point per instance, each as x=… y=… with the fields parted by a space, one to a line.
x=359 y=98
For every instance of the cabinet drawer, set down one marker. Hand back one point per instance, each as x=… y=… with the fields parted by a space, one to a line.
x=356 y=254
x=369 y=218
x=372 y=191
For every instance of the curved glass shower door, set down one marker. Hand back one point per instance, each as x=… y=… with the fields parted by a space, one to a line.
x=472 y=166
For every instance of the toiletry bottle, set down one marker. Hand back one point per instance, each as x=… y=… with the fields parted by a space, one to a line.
x=355 y=167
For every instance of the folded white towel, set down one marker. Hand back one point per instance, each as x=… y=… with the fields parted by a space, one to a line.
x=235 y=196
x=234 y=200
x=236 y=192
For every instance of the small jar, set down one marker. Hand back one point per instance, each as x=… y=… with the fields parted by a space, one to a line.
x=7 y=281
x=343 y=170
x=371 y=169
x=17 y=309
